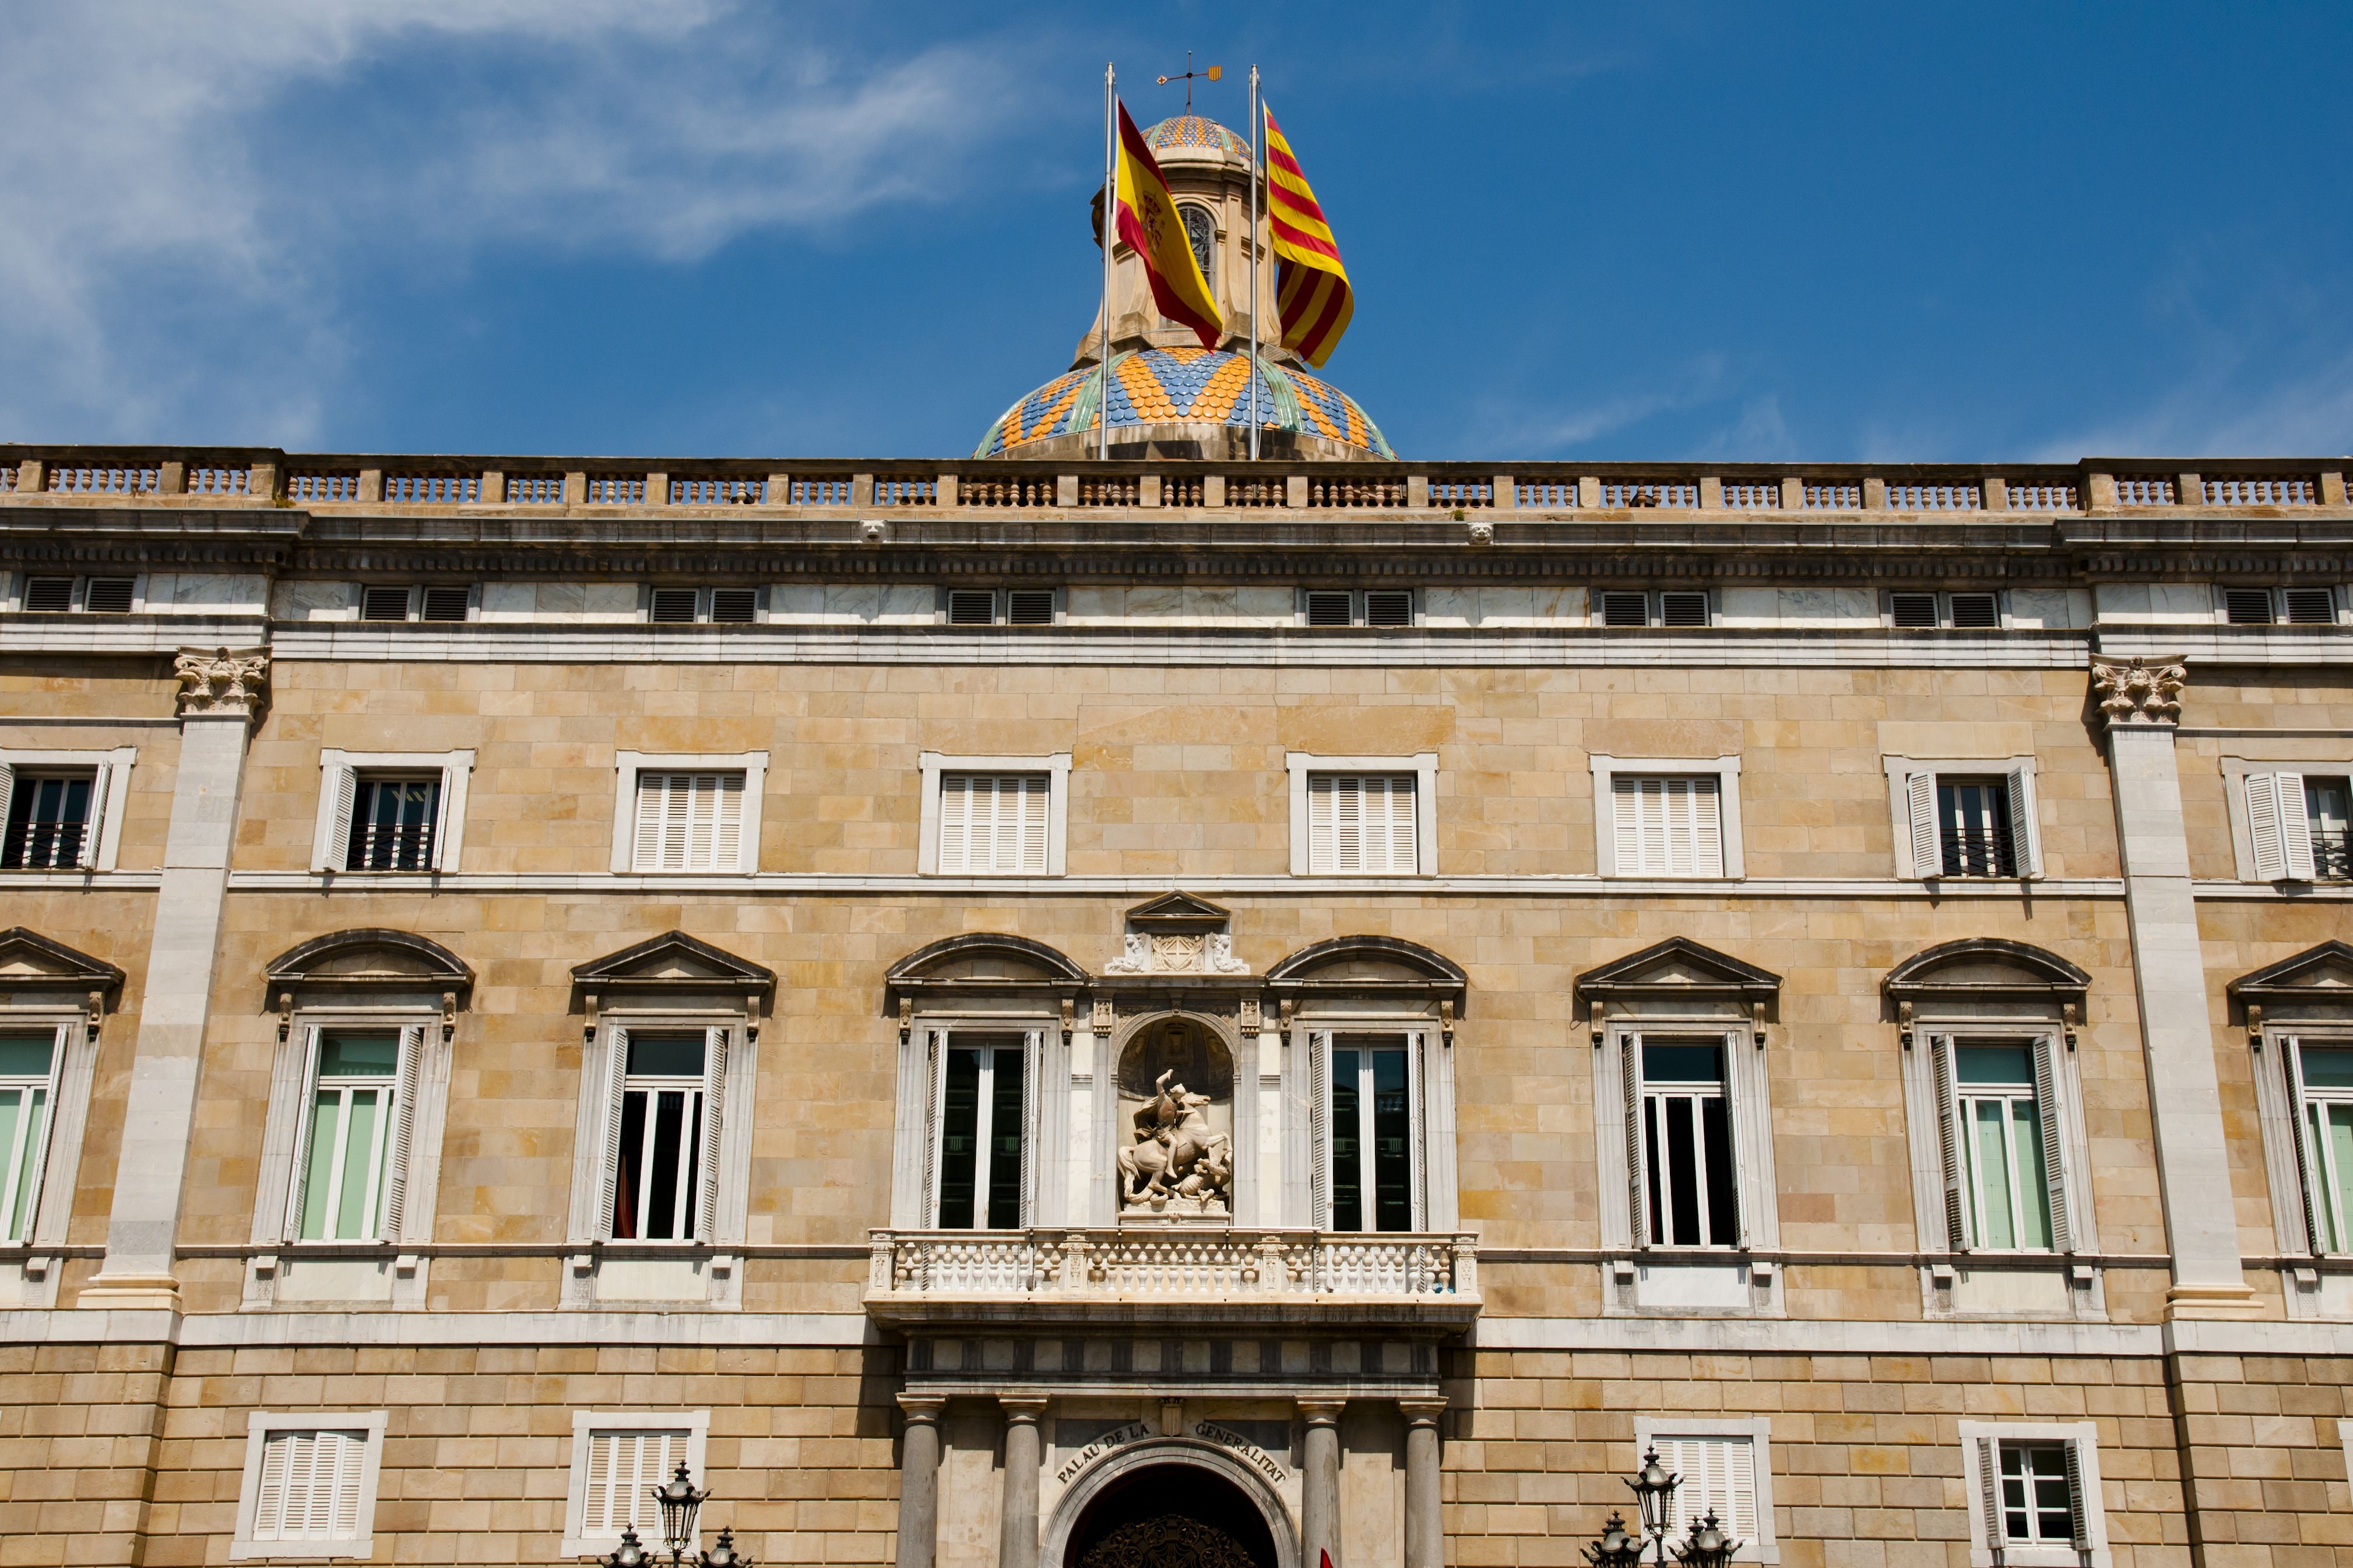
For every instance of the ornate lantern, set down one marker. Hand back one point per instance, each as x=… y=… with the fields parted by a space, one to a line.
x=628 y=1554
x=1617 y=1548
x=722 y=1553
x=1655 y=1489
x=680 y=1503
x=1709 y=1546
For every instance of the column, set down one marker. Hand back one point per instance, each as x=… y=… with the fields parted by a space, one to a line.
x=221 y=693
x=1319 y=1523
x=1425 y=1531
x=919 y=1480
x=2140 y=705
x=1017 y=1530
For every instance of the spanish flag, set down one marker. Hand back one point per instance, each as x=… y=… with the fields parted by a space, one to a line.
x=1311 y=296
x=1148 y=222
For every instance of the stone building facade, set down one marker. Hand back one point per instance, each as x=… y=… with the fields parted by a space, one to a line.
x=1078 y=1014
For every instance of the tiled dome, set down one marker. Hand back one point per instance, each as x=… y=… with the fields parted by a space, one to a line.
x=1180 y=130
x=1184 y=386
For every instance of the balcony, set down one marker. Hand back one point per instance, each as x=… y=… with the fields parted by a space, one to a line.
x=1142 y=1275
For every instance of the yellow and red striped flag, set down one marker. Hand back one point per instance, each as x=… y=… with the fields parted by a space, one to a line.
x=1149 y=222
x=1311 y=296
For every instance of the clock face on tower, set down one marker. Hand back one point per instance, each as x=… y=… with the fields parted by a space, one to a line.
x=1202 y=230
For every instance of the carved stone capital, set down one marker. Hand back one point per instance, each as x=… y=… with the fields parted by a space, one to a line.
x=221 y=683
x=922 y=1406
x=2141 y=692
x=1422 y=1412
x=1322 y=1412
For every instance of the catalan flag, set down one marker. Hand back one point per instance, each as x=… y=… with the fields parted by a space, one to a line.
x=1149 y=222
x=1311 y=296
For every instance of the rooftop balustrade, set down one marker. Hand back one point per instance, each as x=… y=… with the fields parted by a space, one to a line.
x=1543 y=492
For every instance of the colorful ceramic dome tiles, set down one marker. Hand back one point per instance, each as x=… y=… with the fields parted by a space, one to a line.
x=1193 y=130
x=1180 y=385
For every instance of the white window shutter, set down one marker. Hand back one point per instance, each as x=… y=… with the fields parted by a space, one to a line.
x=1322 y=836
x=1034 y=792
x=441 y=797
x=1319 y=1109
x=2079 y=1507
x=728 y=853
x=2295 y=828
x=269 y=1493
x=404 y=1126
x=29 y=1201
x=296 y=1188
x=1739 y=1517
x=1990 y=1492
x=1731 y=1107
x=2291 y=1058
x=1638 y=1190
x=341 y=785
x=1347 y=823
x=648 y=854
x=2025 y=833
x=94 y=826
x=617 y=1067
x=2263 y=826
x=1707 y=827
x=702 y=825
x=1625 y=824
x=2054 y=1147
x=1033 y=1049
x=623 y=1468
x=714 y=1093
x=956 y=817
x=1920 y=807
x=1949 y=1143
x=1417 y=1048
x=7 y=790
x=350 y=1451
x=1393 y=832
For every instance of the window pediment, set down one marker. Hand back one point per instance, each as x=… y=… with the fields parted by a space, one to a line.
x=372 y=959
x=1365 y=966
x=31 y=962
x=1678 y=975
x=1985 y=969
x=982 y=962
x=672 y=965
x=2315 y=982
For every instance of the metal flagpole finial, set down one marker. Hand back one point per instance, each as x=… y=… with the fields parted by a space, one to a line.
x=1214 y=73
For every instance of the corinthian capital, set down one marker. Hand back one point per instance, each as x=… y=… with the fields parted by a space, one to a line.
x=2138 y=691
x=222 y=684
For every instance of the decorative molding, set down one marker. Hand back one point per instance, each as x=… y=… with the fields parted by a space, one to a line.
x=1177 y=934
x=2141 y=692
x=221 y=684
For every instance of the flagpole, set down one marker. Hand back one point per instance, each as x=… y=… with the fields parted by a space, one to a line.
x=1257 y=119
x=1110 y=232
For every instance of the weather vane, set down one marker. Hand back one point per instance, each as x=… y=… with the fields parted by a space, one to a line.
x=1212 y=74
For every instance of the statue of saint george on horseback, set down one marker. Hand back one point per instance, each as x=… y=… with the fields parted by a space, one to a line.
x=1178 y=1163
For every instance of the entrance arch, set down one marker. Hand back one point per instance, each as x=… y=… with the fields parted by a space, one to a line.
x=1173 y=1503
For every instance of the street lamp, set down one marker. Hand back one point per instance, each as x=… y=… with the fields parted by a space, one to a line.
x=1653 y=1487
x=680 y=1502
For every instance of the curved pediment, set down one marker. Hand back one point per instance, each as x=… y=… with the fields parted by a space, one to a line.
x=1986 y=967
x=1681 y=969
x=986 y=959
x=2318 y=977
x=372 y=958
x=672 y=962
x=31 y=962
x=1370 y=964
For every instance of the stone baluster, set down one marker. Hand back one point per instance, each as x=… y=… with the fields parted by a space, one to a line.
x=919 y=1480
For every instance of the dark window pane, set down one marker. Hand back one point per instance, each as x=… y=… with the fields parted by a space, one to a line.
x=693 y=1168
x=1683 y=1064
x=370 y=1055
x=2327 y=804
x=1994 y=1064
x=1392 y=1143
x=630 y=1169
x=48 y=823
x=959 y=1132
x=1005 y=1144
x=666 y=1056
x=1723 y=1191
x=391 y=824
x=1683 y=1160
x=1347 y=1145
x=1973 y=824
x=661 y=1198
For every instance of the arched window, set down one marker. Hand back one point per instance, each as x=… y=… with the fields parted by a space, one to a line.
x=1201 y=229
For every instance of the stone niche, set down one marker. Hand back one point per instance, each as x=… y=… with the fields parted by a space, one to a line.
x=1175 y=1143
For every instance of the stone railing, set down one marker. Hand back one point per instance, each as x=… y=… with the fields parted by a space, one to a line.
x=1339 y=492
x=935 y=1272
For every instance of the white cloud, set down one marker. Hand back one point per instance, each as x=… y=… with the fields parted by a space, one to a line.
x=191 y=186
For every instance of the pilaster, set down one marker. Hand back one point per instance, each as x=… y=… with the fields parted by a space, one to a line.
x=2138 y=705
x=221 y=694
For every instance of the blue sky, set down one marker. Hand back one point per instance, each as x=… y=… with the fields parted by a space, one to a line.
x=1667 y=230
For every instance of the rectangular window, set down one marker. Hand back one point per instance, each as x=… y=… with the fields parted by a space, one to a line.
x=623 y=1468
x=1689 y=1178
x=1625 y=609
x=1372 y=1135
x=1360 y=824
x=994 y=823
x=50 y=821
x=1357 y=607
x=2321 y=1075
x=310 y=1486
x=1973 y=828
x=1719 y=1477
x=2000 y=1140
x=689 y=822
x=658 y=1174
x=2037 y=1498
x=28 y=1086
x=91 y=595
x=1668 y=827
x=2297 y=826
x=982 y=1110
x=393 y=824
x=49 y=596
x=345 y=1153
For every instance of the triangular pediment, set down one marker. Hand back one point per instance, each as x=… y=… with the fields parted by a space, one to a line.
x=1175 y=911
x=2323 y=974
x=370 y=958
x=675 y=961
x=1682 y=967
x=29 y=960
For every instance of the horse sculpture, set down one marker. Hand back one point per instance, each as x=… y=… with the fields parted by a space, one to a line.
x=1176 y=1154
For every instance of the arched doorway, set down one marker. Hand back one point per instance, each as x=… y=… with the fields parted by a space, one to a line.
x=1170 y=1516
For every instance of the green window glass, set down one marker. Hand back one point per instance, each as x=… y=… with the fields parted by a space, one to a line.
x=351 y=1121
x=26 y=1060
x=2327 y=1113
x=2007 y=1176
